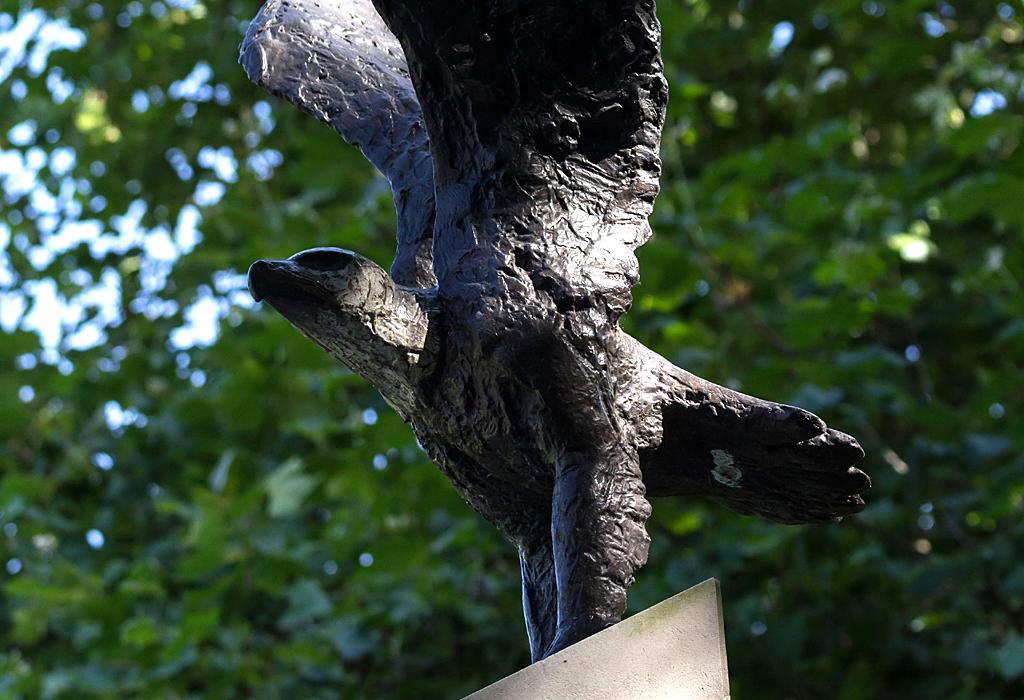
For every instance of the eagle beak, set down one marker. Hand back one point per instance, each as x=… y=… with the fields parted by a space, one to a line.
x=302 y=276
x=261 y=279
x=282 y=279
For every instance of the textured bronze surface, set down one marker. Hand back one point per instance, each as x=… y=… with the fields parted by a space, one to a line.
x=521 y=140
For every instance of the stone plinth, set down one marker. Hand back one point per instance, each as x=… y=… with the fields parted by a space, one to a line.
x=675 y=649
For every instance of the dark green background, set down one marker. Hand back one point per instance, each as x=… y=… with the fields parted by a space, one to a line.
x=840 y=227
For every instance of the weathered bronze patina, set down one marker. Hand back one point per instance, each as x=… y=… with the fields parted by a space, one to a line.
x=521 y=140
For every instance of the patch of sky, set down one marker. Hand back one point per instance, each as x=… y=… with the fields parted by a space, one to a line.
x=118 y=417
x=782 y=35
x=153 y=307
x=234 y=287
x=62 y=160
x=103 y=461
x=35 y=159
x=179 y=161
x=264 y=114
x=202 y=326
x=986 y=102
x=221 y=161
x=88 y=335
x=45 y=36
x=156 y=95
x=112 y=363
x=186 y=231
x=209 y=193
x=18 y=90
x=221 y=94
x=159 y=246
x=41 y=316
x=95 y=539
x=60 y=88
x=933 y=27
x=263 y=163
x=51 y=313
x=873 y=9
x=830 y=78
x=7 y=276
x=129 y=232
x=140 y=101
x=19 y=171
x=53 y=35
x=23 y=133
x=12 y=308
x=195 y=86
x=60 y=320
x=74 y=233
x=77 y=277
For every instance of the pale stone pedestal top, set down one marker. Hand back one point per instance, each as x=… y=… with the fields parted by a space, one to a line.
x=675 y=649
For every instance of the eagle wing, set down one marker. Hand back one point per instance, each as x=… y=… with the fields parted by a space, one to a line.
x=545 y=121
x=339 y=62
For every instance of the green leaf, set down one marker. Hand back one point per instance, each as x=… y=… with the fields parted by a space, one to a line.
x=287 y=489
x=1010 y=657
x=139 y=632
x=306 y=603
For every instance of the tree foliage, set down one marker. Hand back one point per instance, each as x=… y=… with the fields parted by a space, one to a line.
x=197 y=503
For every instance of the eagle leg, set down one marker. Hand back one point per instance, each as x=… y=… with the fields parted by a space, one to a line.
x=598 y=536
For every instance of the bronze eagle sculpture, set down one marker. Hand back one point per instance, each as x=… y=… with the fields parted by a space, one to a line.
x=521 y=141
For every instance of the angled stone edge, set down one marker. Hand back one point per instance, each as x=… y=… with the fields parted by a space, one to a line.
x=675 y=649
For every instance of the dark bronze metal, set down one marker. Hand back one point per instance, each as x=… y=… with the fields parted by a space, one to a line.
x=521 y=140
